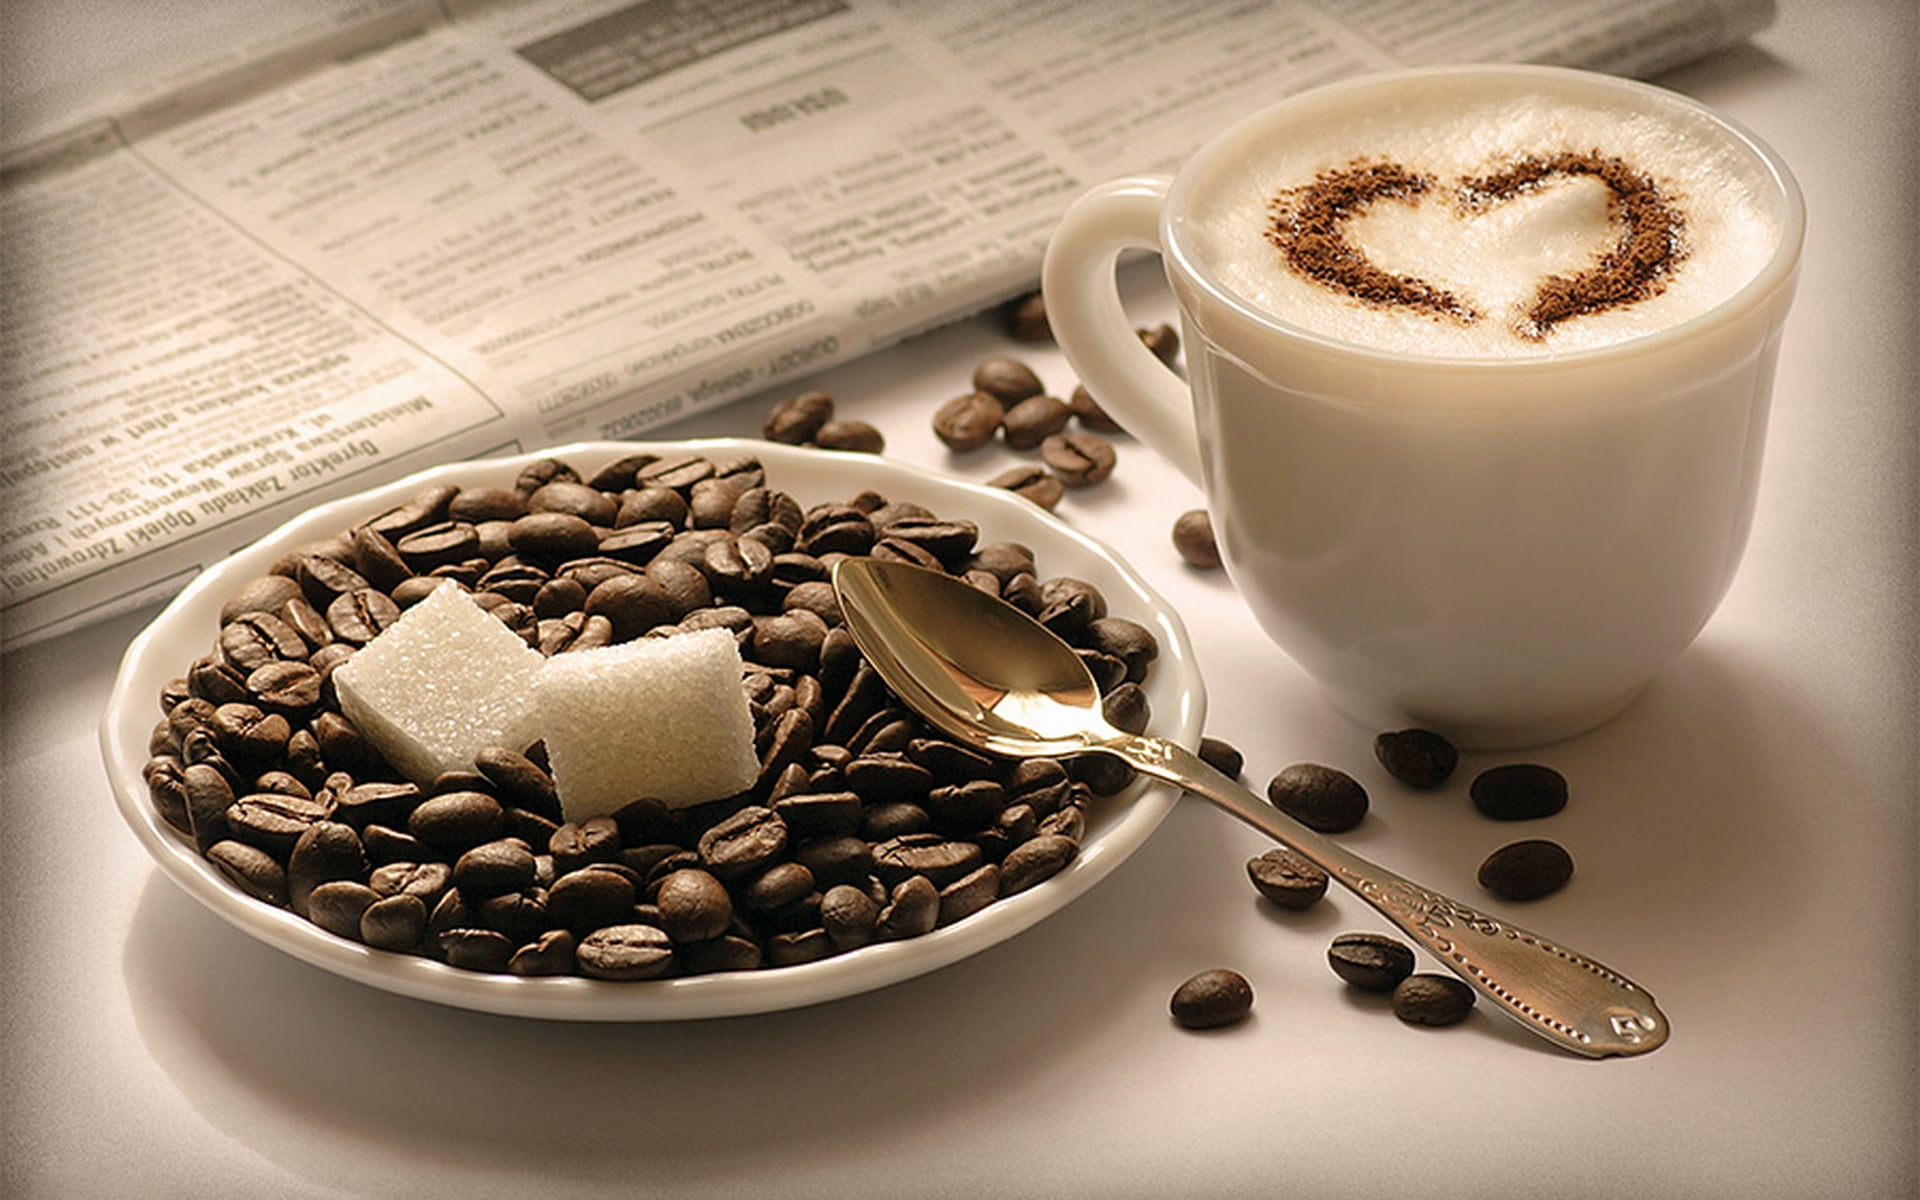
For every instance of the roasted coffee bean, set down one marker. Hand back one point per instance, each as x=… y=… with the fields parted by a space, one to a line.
x=912 y=908
x=1193 y=539
x=745 y=843
x=322 y=578
x=208 y=794
x=263 y=594
x=730 y=953
x=473 y=949
x=820 y=814
x=850 y=435
x=881 y=778
x=165 y=777
x=964 y=807
x=652 y=504
x=502 y=865
x=338 y=906
x=427 y=880
x=968 y=894
x=940 y=859
x=1024 y=318
x=477 y=504
x=1371 y=962
x=395 y=923
x=361 y=615
x=1526 y=870
x=325 y=852
x=1287 y=879
x=211 y=682
x=1426 y=999
x=796 y=420
x=778 y=886
x=457 y=820
x=632 y=604
x=590 y=504
x=1127 y=640
x=680 y=472
x=1034 y=420
x=1079 y=459
x=880 y=822
x=1519 y=792
x=251 y=869
x=1007 y=380
x=968 y=422
x=518 y=780
x=798 y=946
x=637 y=543
x=386 y=844
x=835 y=860
x=578 y=844
x=376 y=803
x=1212 y=1000
x=850 y=916
x=1320 y=797
x=1033 y=861
x=291 y=689
x=306 y=621
x=625 y=952
x=551 y=953
x=273 y=821
x=1222 y=756
x=1419 y=758
x=1087 y=411
x=1126 y=708
x=1163 y=340
x=586 y=899
x=425 y=550
x=552 y=537
x=1104 y=775
x=694 y=906
x=254 y=639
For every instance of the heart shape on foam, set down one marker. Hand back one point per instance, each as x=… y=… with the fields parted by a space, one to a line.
x=1643 y=242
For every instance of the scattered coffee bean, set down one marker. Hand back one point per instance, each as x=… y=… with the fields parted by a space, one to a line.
x=1079 y=459
x=1087 y=411
x=1193 y=538
x=850 y=435
x=1222 y=756
x=1526 y=870
x=1007 y=380
x=1519 y=792
x=1024 y=318
x=968 y=422
x=1036 y=483
x=1426 y=999
x=1419 y=758
x=1320 y=797
x=1212 y=1000
x=1163 y=340
x=796 y=420
x=1287 y=879
x=1371 y=962
x=1032 y=421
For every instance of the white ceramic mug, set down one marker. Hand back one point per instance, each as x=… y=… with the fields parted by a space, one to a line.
x=1502 y=549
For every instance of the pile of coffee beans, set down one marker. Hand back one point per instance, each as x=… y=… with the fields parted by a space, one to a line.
x=865 y=824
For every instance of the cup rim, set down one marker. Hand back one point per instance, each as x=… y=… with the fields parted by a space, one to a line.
x=1777 y=272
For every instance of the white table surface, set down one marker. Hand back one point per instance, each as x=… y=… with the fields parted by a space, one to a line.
x=1745 y=837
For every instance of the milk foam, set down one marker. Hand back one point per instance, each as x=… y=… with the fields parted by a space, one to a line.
x=1493 y=257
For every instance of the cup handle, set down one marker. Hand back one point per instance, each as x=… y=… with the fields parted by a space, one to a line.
x=1083 y=308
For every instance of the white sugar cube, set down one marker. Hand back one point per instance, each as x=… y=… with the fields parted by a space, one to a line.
x=439 y=685
x=665 y=718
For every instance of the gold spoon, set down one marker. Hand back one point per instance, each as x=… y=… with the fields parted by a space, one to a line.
x=989 y=675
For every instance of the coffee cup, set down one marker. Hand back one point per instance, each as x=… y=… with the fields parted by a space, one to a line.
x=1478 y=364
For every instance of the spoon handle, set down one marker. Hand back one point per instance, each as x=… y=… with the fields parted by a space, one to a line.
x=1560 y=995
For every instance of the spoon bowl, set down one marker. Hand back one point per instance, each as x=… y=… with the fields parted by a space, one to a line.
x=989 y=675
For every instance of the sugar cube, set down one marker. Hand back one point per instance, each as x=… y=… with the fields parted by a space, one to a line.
x=665 y=718
x=442 y=683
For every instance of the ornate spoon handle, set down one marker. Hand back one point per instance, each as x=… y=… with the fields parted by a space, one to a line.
x=1560 y=995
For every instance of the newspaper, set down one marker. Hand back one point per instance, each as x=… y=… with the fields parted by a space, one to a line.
x=420 y=232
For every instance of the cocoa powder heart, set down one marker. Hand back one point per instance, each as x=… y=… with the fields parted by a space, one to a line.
x=1309 y=227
